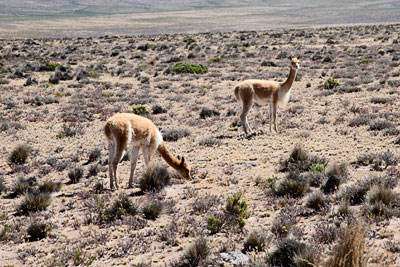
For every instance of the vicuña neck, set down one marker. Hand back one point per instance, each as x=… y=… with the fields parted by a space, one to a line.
x=289 y=81
x=167 y=156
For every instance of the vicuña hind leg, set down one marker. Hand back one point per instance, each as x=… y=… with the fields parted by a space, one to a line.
x=243 y=117
x=111 y=154
x=275 y=111
x=134 y=153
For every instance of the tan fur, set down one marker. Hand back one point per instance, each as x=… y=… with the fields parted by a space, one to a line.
x=264 y=92
x=125 y=130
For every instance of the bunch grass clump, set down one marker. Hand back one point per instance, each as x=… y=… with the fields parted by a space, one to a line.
x=38 y=230
x=197 y=252
x=350 y=248
x=292 y=185
x=300 y=161
x=122 y=206
x=316 y=200
x=256 y=241
x=34 y=202
x=154 y=179
x=152 y=210
x=20 y=154
x=49 y=187
x=75 y=175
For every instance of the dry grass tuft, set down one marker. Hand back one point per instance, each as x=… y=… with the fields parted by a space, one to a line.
x=350 y=248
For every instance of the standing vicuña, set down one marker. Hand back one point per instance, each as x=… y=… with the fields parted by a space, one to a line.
x=125 y=130
x=264 y=92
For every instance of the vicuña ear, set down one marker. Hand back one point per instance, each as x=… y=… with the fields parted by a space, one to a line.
x=183 y=160
x=290 y=57
x=179 y=157
x=299 y=56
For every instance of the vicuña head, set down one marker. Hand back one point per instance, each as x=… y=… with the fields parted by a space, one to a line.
x=126 y=131
x=264 y=92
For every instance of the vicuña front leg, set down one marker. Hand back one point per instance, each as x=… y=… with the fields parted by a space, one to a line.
x=134 y=157
x=243 y=117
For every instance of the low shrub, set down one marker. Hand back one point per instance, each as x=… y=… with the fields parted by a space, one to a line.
x=214 y=224
x=237 y=210
x=336 y=174
x=94 y=155
x=197 y=252
x=331 y=83
x=283 y=223
x=140 y=110
x=173 y=135
x=207 y=112
x=158 y=110
x=20 y=187
x=181 y=67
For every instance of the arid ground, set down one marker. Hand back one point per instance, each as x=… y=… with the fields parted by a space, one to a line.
x=56 y=95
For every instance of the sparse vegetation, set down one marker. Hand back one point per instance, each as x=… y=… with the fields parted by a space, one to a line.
x=197 y=252
x=38 y=230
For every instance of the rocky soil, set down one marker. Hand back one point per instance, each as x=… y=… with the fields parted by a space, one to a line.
x=56 y=95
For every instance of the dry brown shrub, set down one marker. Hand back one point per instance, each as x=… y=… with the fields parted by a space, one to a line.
x=350 y=248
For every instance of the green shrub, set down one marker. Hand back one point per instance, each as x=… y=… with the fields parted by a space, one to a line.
x=140 y=110
x=317 y=167
x=214 y=60
x=331 y=83
x=236 y=209
x=20 y=154
x=214 y=224
x=189 y=68
x=189 y=40
x=52 y=65
x=154 y=179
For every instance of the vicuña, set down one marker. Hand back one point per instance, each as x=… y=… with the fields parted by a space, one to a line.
x=133 y=132
x=264 y=92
